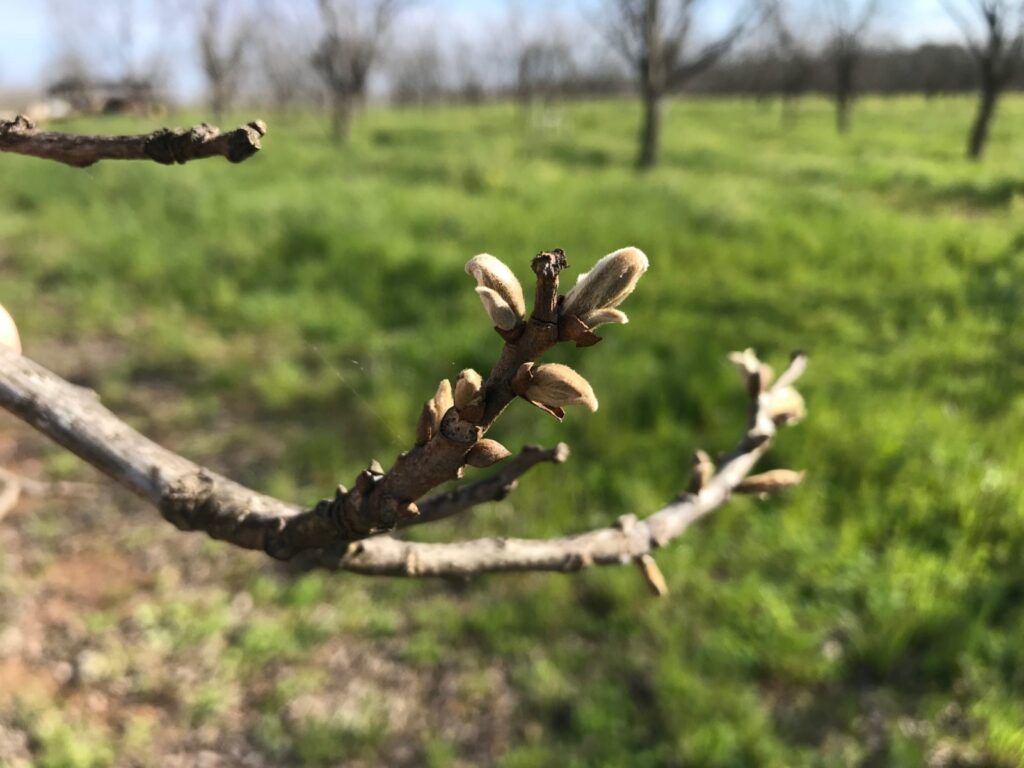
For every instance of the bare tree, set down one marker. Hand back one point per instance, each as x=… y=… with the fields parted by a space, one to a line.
x=101 y=38
x=418 y=72
x=284 y=42
x=796 y=60
x=353 y=31
x=353 y=529
x=656 y=39
x=224 y=36
x=848 y=25
x=997 y=47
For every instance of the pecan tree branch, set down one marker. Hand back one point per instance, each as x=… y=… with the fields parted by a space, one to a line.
x=626 y=542
x=194 y=498
x=166 y=145
x=188 y=495
x=493 y=488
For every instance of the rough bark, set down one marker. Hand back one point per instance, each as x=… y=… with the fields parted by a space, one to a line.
x=166 y=145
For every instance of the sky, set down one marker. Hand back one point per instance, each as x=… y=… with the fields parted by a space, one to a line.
x=30 y=40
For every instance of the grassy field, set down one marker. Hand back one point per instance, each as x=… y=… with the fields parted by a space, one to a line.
x=284 y=320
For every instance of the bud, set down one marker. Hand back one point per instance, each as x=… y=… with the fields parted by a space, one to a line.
x=797 y=366
x=426 y=427
x=749 y=366
x=493 y=274
x=652 y=575
x=603 y=316
x=746 y=362
x=9 y=331
x=608 y=284
x=467 y=387
x=501 y=314
x=441 y=402
x=702 y=471
x=486 y=452
x=785 y=406
x=559 y=385
x=773 y=481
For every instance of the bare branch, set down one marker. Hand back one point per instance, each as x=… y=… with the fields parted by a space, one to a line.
x=166 y=146
x=193 y=498
x=627 y=541
x=494 y=488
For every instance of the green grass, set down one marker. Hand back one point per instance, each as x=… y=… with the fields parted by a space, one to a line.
x=292 y=314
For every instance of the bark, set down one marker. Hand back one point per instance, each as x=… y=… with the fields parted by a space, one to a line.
x=987 y=102
x=341 y=118
x=166 y=146
x=650 y=131
x=845 y=65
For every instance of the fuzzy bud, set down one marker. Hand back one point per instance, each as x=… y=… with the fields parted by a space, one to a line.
x=608 y=284
x=773 y=481
x=559 y=385
x=604 y=316
x=441 y=402
x=467 y=387
x=756 y=375
x=785 y=406
x=501 y=314
x=494 y=275
x=426 y=427
x=486 y=452
x=702 y=471
x=652 y=575
x=9 y=331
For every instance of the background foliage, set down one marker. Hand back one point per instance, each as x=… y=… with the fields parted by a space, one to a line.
x=284 y=320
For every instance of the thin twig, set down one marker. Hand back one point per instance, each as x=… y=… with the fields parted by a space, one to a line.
x=166 y=145
x=493 y=488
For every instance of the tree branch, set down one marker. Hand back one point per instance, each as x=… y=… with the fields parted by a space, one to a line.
x=194 y=498
x=493 y=488
x=629 y=540
x=167 y=146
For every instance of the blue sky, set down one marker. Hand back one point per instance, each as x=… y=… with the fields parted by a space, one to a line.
x=28 y=39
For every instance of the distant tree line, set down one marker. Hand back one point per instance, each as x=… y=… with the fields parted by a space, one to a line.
x=330 y=53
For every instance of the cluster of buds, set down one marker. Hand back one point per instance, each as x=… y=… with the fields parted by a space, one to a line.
x=775 y=403
x=777 y=400
x=9 y=331
x=592 y=302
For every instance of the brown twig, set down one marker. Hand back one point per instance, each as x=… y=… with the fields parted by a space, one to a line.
x=493 y=488
x=167 y=146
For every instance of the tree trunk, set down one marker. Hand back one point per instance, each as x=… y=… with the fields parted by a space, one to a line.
x=341 y=118
x=843 y=112
x=986 y=109
x=650 y=130
x=845 y=63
